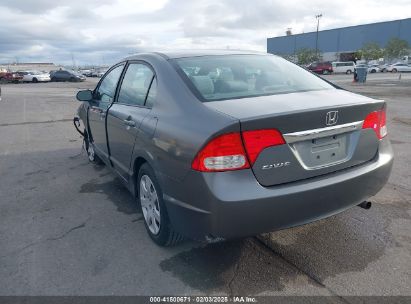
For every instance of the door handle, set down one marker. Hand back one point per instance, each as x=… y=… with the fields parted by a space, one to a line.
x=129 y=123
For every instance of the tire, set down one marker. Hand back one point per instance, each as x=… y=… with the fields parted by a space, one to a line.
x=325 y=72
x=34 y=80
x=394 y=71
x=348 y=72
x=373 y=71
x=150 y=198
x=72 y=79
x=53 y=79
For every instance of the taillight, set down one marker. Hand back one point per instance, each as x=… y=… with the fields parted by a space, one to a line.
x=235 y=151
x=257 y=140
x=378 y=122
x=223 y=153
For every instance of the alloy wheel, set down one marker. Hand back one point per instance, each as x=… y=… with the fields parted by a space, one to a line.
x=150 y=204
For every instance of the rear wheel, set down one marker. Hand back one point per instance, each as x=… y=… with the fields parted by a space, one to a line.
x=155 y=214
x=34 y=80
x=394 y=70
x=348 y=72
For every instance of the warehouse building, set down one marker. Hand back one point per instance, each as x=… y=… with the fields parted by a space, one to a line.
x=29 y=66
x=340 y=44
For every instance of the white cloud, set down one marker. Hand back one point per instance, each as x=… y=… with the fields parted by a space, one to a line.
x=120 y=8
x=98 y=31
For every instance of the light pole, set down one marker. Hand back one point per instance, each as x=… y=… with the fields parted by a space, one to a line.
x=316 y=36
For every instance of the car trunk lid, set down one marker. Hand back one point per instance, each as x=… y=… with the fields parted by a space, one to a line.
x=322 y=130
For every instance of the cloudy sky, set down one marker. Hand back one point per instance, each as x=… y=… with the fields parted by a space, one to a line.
x=103 y=31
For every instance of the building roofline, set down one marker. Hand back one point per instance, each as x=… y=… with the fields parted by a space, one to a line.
x=340 y=28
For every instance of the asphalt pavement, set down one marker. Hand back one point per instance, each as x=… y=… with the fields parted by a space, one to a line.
x=68 y=227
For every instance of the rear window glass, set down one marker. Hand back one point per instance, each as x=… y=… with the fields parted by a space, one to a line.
x=239 y=76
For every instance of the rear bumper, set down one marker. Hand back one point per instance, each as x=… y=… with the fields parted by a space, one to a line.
x=233 y=204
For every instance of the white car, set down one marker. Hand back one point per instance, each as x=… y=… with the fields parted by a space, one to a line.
x=35 y=76
x=98 y=73
x=343 y=67
x=399 y=67
x=374 y=68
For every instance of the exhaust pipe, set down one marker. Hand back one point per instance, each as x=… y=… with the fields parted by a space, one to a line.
x=365 y=205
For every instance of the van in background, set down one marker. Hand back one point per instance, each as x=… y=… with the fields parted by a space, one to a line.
x=343 y=67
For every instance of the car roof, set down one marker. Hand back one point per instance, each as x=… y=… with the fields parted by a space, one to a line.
x=174 y=54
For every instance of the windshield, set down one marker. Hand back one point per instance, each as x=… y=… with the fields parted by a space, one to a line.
x=239 y=76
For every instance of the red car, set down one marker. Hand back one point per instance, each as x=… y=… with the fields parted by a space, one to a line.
x=321 y=67
x=11 y=77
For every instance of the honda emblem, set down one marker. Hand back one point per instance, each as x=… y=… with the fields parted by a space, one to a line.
x=331 y=118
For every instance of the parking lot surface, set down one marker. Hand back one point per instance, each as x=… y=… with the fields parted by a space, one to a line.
x=68 y=227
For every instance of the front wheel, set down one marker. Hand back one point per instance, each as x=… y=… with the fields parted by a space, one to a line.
x=34 y=80
x=154 y=211
x=394 y=70
x=348 y=72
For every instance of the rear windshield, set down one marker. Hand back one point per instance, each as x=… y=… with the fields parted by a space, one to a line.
x=239 y=76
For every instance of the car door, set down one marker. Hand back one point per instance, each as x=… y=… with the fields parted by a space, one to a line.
x=126 y=114
x=63 y=75
x=57 y=75
x=103 y=96
x=60 y=75
x=405 y=68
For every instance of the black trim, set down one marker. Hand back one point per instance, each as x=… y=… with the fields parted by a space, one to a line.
x=148 y=91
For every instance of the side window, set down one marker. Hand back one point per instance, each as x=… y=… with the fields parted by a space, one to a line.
x=107 y=89
x=135 y=84
x=151 y=97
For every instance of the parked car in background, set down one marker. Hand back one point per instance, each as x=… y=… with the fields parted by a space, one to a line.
x=98 y=73
x=374 y=68
x=86 y=73
x=383 y=68
x=34 y=76
x=63 y=75
x=343 y=67
x=321 y=67
x=11 y=77
x=226 y=144
x=399 y=67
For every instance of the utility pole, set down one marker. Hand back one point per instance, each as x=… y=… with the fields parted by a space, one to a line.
x=316 y=36
x=73 y=61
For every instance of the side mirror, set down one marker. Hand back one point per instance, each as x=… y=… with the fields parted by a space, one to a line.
x=85 y=95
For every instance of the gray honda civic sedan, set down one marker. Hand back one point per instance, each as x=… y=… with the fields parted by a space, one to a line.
x=225 y=144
